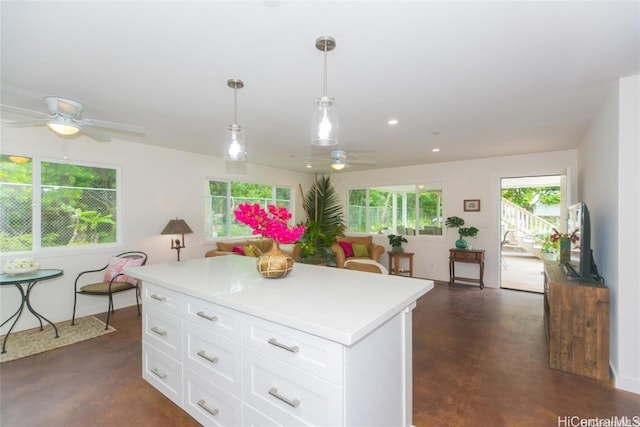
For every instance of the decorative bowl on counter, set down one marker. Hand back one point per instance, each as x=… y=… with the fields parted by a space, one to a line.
x=21 y=266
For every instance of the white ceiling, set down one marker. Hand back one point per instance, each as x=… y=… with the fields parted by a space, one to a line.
x=475 y=79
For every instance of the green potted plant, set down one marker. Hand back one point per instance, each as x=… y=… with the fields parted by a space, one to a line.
x=457 y=222
x=548 y=248
x=324 y=222
x=396 y=242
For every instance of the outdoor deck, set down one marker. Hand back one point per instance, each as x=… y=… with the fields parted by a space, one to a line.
x=522 y=271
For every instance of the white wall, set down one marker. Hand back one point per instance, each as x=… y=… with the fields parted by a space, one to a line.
x=610 y=181
x=473 y=179
x=157 y=185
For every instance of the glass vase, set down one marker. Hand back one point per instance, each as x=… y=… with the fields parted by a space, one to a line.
x=565 y=250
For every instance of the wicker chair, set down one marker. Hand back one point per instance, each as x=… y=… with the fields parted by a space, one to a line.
x=374 y=251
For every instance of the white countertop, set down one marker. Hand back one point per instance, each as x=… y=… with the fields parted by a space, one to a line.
x=337 y=304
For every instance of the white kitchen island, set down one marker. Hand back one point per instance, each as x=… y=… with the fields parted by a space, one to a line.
x=322 y=346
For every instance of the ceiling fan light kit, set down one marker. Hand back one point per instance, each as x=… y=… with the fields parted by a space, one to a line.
x=235 y=149
x=63 y=126
x=338 y=165
x=324 y=124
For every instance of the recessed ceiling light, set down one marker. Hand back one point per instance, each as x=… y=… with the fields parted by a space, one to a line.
x=435 y=150
x=309 y=166
x=392 y=122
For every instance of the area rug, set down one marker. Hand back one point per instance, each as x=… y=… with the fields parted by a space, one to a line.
x=34 y=341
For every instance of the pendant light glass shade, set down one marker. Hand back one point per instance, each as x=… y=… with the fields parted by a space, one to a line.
x=324 y=123
x=235 y=149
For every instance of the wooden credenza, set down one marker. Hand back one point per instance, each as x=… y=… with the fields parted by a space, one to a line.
x=576 y=315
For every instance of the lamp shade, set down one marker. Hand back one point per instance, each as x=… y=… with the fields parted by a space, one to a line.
x=177 y=226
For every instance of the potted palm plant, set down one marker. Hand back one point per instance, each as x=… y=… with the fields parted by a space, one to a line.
x=396 y=242
x=457 y=222
x=324 y=222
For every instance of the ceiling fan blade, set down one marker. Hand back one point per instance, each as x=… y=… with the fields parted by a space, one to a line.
x=11 y=108
x=362 y=162
x=28 y=124
x=94 y=134
x=125 y=127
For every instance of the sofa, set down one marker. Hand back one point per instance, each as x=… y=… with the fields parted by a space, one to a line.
x=247 y=248
x=350 y=249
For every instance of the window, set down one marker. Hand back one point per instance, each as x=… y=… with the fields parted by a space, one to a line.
x=224 y=196
x=77 y=204
x=401 y=209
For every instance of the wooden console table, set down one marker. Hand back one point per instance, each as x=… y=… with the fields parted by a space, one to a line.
x=474 y=256
x=394 y=263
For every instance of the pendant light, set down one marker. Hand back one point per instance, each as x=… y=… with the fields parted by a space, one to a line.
x=235 y=149
x=324 y=126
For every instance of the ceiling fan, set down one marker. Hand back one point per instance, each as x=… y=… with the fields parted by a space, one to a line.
x=64 y=118
x=339 y=159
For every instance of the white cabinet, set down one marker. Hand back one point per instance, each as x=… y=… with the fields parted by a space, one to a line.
x=323 y=346
x=228 y=368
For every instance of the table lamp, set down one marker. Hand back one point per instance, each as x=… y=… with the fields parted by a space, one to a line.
x=177 y=226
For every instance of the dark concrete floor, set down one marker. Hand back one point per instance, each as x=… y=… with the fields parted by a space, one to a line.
x=479 y=360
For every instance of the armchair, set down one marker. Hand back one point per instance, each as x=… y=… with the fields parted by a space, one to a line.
x=350 y=248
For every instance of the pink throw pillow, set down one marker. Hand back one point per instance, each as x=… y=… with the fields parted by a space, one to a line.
x=238 y=249
x=347 y=248
x=115 y=267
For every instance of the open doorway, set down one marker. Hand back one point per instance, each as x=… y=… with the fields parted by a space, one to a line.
x=530 y=208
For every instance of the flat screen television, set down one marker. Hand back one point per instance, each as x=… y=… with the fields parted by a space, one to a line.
x=581 y=264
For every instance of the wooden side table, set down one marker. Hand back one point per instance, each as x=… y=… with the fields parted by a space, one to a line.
x=394 y=263
x=474 y=256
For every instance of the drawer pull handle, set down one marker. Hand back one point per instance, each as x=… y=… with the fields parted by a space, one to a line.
x=294 y=403
x=209 y=318
x=203 y=405
x=159 y=298
x=204 y=355
x=275 y=342
x=158 y=331
x=158 y=373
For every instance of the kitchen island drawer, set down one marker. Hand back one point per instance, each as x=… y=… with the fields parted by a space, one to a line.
x=162 y=372
x=288 y=394
x=310 y=353
x=210 y=404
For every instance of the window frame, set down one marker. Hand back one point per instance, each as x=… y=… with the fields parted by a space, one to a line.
x=418 y=188
x=230 y=218
x=36 y=207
